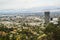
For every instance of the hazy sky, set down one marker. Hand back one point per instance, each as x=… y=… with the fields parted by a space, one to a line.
x=26 y=4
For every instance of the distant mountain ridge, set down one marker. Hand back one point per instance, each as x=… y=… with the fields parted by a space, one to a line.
x=31 y=11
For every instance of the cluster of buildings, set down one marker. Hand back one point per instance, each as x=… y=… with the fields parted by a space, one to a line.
x=48 y=19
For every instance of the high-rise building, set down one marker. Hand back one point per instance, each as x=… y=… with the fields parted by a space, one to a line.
x=47 y=17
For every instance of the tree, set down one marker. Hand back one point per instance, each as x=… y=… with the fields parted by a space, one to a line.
x=53 y=31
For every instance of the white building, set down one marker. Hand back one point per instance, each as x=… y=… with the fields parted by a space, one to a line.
x=54 y=21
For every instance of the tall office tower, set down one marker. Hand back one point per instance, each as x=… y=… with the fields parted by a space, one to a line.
x=47 y=17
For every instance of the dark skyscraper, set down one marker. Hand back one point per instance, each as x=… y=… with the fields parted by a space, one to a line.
x=47 y=17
